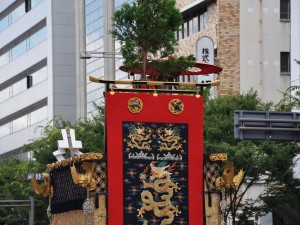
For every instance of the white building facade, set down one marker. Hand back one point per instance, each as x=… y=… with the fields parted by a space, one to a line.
x=48 y=50
x=295 y=42
x=97 y=52
x=265 y=47
x=37 y=68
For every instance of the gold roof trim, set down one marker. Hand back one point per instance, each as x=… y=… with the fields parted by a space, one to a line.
x=75 y=159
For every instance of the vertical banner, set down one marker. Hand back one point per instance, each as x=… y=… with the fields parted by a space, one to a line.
x=155 y=159
x=205 y=52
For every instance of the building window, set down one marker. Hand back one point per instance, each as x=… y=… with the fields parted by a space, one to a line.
x=34 y=3
x=37 y=37
x=29 y=81
x=18 y=50
x=19 y=87
x=185 y=29
x=5 y=130
x=37 y=116
x=194 y=21
x=9 y=17
x=285 y=63
x=32 y=79
x=285 y=10
x=196 y=24
x=4 y=95
x=4 y=59
x=39 y=76
x=16 y=11
x=23 y=46
x=20 y=123
x=24 y=121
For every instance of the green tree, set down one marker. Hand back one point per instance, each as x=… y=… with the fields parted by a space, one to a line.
x=146 y=30
x=268 y=160
x=13 y=187
x=90 y=132
x=12 y=171
x=290 y=99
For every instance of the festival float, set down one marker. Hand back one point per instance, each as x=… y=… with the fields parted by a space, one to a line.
x=153 y=171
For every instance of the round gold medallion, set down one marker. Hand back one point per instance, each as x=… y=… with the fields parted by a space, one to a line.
x=176 y=106
x=135 y=105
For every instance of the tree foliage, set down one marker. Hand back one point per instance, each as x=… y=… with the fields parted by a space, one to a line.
x=291 y=98
x=268 y=160
x=271 y=161
x=146 y=30
x=13 y=187
x=90 y=132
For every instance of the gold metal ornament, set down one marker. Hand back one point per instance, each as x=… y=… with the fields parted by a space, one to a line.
x=135 y=105
x=176 y=106
x=112 y=92
x=85 y=180
x=228 y=179
x=44 y=189
x=218 y=157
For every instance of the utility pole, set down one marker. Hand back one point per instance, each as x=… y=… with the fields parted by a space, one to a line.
x=31 y=211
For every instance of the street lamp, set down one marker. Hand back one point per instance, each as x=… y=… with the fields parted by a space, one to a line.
x=95 y=54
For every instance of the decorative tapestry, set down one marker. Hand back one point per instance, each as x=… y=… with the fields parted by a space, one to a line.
x=155 y=173
x=155 y=159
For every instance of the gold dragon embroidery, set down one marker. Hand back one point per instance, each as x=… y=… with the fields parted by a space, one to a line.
x=168 y=140
x=162 y=184
x=140 y=138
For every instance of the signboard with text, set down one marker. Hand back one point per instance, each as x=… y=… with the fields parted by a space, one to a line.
x=205 y=53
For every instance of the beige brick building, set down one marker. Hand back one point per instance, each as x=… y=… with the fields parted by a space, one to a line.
x=251 y=43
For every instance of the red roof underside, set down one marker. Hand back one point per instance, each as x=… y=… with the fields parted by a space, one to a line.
x=200 y=68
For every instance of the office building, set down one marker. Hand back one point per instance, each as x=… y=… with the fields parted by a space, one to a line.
x=37 y=68
x=43 y=44
x=44 y=68
x=97 y=52
x=256 y=43
x=251 y=41
x=295 y=43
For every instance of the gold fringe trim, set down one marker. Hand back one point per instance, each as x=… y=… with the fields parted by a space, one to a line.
x=75 y=159
x=218 y=157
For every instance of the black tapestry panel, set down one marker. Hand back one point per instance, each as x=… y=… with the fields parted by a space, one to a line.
x=67 y=196
x=155 y=172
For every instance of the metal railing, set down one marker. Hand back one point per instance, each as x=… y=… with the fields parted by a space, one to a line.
x=21 y=203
